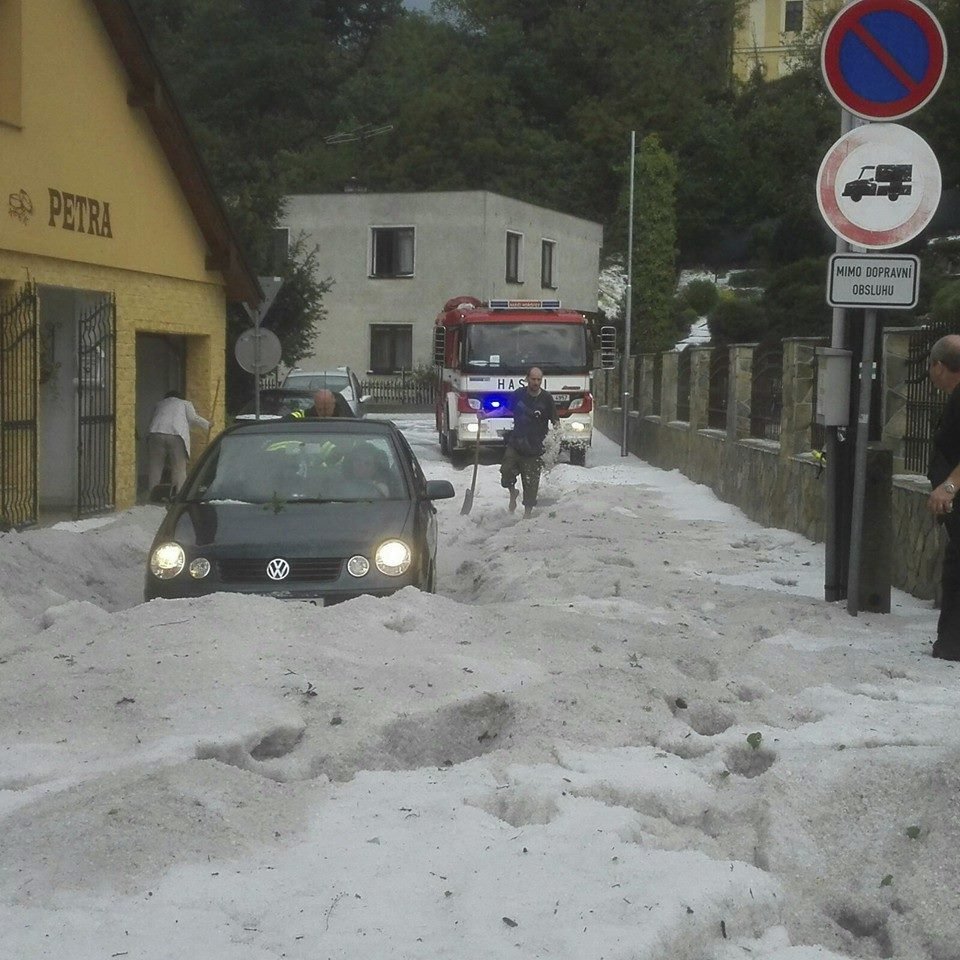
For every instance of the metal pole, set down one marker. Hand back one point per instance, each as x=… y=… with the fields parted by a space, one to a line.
x=834 y=583
x=256 y=372
x=625 y=372
x=833 y=586
x=860 y=460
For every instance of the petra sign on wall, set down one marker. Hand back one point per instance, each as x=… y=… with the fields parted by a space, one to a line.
x=73 y=211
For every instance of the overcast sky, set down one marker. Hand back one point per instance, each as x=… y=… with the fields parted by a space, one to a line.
x=629 y=728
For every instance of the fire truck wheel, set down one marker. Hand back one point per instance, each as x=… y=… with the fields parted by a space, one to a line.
x=578 y=456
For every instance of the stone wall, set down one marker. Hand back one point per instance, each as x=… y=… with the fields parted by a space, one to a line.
x=777 y=484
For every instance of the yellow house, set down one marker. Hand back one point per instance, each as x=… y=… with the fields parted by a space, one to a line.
x=769 y=32
x=116 y=260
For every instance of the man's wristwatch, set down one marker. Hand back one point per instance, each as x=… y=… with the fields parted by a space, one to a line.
x=951 y=488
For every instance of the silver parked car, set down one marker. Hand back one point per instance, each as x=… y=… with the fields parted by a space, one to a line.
x=338 y=379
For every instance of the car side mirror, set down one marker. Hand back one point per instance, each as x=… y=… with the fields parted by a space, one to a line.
x=439 y=490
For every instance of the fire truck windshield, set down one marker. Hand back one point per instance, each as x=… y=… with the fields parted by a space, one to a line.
x=515 y=347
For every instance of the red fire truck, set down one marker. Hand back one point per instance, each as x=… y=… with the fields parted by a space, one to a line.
x=483 y=351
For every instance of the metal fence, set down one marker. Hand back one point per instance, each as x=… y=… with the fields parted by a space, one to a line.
x=719 y=388
x=923 y=403
x=766 y=393
x=96 y=408
x=400 y=392
x=19 y=504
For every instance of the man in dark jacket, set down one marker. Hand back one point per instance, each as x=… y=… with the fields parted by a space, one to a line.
x=533 y=410
x=944 y=476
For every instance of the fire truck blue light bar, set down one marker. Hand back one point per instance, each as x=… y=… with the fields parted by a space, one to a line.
x=524 y=304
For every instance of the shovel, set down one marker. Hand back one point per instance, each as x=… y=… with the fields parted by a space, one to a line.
x=468 y=496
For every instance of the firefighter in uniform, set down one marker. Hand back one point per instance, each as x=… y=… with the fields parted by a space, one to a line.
x=533 y=411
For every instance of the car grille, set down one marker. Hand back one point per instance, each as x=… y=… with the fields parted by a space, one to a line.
x=302 y=569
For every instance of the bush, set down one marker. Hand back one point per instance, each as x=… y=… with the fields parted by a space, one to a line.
x=700 y=295
x=746 y=278
x=795 y=300
x=946 y=304
x=734 y=320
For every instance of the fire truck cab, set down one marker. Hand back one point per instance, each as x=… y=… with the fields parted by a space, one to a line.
x=483 y=351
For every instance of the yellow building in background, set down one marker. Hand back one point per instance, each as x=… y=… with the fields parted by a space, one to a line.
x=117 y=261
x=769 y=32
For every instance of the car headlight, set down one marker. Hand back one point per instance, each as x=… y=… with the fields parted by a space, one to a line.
x=393 y=557
x=167 y=560
x=199 y=568
x=576 y=426
x=358 y=566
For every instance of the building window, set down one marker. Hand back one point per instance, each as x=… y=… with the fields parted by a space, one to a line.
x=279 y=250
x=391 y=347
x=392 y=252
x=514 y=244
x=793 y=17
x=10 y=61
x=548 y=262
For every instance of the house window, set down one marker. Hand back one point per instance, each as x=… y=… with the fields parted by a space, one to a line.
x=548 y=253
x=793 y=17
x=514 y=243
x=10 y=61
x=392 y=252
x=279 y=250
x=391 y=347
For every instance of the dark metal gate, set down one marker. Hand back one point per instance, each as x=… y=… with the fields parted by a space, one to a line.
x=924 y=404
x=19 y=501
x=96 y=408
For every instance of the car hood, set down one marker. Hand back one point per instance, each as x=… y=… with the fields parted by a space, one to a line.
x=295 y=529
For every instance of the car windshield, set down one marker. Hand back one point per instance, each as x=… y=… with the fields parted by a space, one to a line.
x=515 y=347
x=317 y=381
x=288 y=467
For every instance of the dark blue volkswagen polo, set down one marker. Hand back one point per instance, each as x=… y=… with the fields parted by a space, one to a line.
x=320 y=510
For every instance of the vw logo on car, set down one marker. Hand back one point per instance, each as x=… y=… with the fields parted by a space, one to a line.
x=278 y=569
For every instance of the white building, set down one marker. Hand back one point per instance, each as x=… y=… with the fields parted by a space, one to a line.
x=396 y=258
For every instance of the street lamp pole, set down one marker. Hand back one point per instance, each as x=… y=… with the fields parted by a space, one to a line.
x=628 y=293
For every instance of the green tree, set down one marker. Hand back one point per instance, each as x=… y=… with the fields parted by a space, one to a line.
x=701 y=296
x=294 y=316
x=736 y=320
x=946 y=304
x=795 y=303
x=938 y=121
x=654 y=248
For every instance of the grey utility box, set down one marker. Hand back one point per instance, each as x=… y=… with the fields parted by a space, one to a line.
x=833 y=386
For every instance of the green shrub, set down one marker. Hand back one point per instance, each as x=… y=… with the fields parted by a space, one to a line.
x=746 y=278
x=734 y=320
x=945 y=306
x=700 y=295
